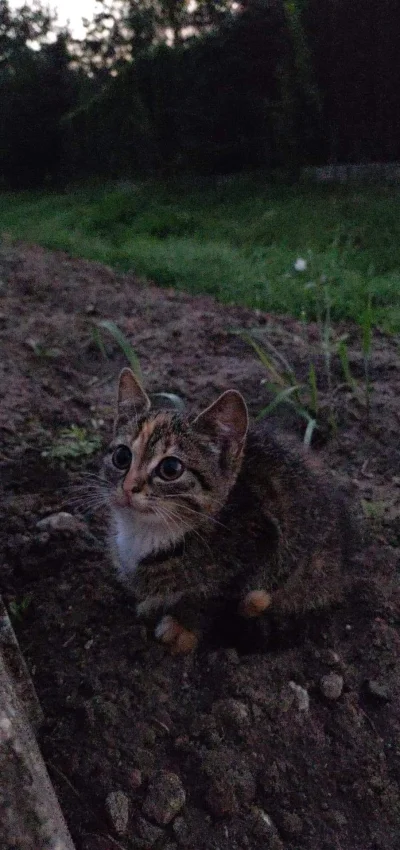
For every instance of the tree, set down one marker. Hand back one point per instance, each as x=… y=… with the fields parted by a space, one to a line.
x=36 y=88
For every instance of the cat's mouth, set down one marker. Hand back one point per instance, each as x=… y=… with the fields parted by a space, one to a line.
x=134 y=501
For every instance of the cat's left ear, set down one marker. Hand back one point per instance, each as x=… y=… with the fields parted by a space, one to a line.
x=132 y=399
x=227 y=420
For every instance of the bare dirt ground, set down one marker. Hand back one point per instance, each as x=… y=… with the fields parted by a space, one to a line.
x=238 y=746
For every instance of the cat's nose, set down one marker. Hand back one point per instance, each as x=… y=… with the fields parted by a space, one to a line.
x=132 y=485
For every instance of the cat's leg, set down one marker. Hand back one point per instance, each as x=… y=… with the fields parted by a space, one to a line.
x=255 y=603
x=184 y=623
x=175 y=636
x=314 y=582
x=256 y=595
x=168 y=630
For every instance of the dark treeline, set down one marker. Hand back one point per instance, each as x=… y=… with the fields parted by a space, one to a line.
x=209 y=87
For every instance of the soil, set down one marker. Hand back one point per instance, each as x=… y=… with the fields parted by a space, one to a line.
x=240 y=745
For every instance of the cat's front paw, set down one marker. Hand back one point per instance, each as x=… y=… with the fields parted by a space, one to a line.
x=255 y=603
x=179 y=639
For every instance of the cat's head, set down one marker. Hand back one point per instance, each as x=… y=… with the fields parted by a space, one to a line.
x=167 y=468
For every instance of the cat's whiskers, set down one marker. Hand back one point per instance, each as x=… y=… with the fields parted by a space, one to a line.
x=175 y=518
x=181 y=527
x=202 y=516
x=84 y=505
x=89 y=482
x=92 y=476
x=187 y=527
x=85 y=491
x=166 y=518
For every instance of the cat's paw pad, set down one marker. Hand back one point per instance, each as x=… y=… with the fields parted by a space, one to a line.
x=255 y=603
x=179 y=639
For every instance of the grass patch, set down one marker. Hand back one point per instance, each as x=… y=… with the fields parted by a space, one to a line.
x=237 y=239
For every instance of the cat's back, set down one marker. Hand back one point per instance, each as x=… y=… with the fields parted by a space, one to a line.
x=293 y=484
x=272 y=453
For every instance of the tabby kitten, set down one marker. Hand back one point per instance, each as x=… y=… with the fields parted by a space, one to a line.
x=206 y=509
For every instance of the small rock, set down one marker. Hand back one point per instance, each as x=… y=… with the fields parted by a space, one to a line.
x=117 y=807
x=291 y=824
x=264 y=827
x=181 y=832
x=182 y=742
x=339 y=819
x=42 y=539
x=229 y=783
x=165 y=798
x=257 y=711
x=16 y=524
x=378 y=690
x=302 y=696
x=149 y=831
x=62 y=521
x=232 y=656
x=136 y=778
x=376 y=782
x=332 y=658
x=231 y=712
x=108 y=711
x=332 y=685
x=20 y=543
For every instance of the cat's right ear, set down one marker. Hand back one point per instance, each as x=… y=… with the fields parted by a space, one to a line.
x=226 y=421
x=132 y=399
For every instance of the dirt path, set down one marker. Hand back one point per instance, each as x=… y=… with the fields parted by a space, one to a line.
x=261 y=758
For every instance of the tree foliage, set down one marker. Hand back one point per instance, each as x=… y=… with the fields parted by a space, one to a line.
x=207 y=86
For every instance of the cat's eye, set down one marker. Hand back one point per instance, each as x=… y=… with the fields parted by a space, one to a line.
x=122 y=457
x=170 y=469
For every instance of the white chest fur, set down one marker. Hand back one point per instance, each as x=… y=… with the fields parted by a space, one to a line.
x=134 y=539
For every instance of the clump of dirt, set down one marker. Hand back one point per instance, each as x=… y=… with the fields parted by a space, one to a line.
x=292 y=743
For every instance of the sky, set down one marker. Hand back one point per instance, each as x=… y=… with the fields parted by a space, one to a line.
x=72 y=10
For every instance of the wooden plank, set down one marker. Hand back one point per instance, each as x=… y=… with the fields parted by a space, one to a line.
x=30 y=815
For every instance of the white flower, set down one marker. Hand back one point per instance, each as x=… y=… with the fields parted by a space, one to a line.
x=300 y=265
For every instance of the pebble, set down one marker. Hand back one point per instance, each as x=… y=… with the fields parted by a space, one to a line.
x=149 y=831
x=61 y=521
x=135 y=778
x=20 y=543
x=302 y=696
x=117 y=807
x=291 y=824
x=339 y=819
x=332 y=658
x=182 y=742
x=165 y=798
x=43 y=538
x=231 y=712
x=229 y=782
x=232 y=656
x=181 y=832
x=264 y=827
x=378 y=690
x=332 y=685
x=377 y=783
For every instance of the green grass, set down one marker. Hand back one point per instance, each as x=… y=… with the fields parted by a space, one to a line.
x=236 y=239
